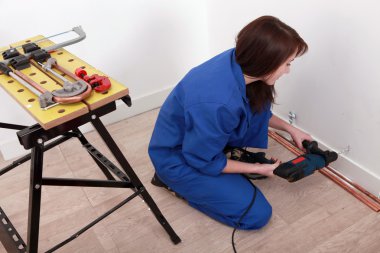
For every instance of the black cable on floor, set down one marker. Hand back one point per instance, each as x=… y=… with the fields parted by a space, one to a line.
x=244 y=214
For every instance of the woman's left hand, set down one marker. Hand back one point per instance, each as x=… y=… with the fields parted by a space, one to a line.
x=299 y=136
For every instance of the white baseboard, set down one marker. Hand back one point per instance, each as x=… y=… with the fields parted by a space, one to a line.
x=11 y=149
x=350 y=169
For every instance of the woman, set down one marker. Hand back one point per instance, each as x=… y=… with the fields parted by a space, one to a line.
x=223 y=102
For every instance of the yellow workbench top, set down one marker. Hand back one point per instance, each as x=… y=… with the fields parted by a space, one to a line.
x=61 y=113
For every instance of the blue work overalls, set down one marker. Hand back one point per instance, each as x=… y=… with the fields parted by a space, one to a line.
x=204 y=113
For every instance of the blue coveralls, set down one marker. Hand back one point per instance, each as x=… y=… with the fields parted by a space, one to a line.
x=205 y=112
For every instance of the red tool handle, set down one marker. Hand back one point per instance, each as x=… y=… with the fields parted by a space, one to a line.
x=98 y=83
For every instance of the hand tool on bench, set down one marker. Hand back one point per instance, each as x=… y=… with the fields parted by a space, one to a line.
x=32 y=51
x=71 y=92
x=98 y=83
x=45 y=38
x=13 y=57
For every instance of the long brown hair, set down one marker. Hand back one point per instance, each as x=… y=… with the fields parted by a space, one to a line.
x=262 y=47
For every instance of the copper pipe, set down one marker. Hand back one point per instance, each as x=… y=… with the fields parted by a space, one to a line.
x=61 y=100
x=355 y=185
x=354 y=189
x=30 y=81
x=73 y=76
x=349 y=188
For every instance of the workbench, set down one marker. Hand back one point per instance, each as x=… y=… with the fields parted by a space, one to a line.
x=56 y=125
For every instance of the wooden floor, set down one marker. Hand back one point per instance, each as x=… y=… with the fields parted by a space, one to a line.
x=312 y=215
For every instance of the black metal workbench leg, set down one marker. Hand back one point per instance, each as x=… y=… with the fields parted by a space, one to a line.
x=35 y=198
x=133 y=177
x=84 y=142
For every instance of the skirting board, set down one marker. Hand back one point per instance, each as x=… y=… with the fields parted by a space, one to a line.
x=11 y=149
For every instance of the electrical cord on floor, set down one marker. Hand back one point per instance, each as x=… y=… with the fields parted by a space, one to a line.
x=244 y=214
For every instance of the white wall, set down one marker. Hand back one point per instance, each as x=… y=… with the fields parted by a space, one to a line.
x=150 y=45
x=146 y=45
x=334 y=89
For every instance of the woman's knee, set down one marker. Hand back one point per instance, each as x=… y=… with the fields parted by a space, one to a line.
x=264 y=217
x=258 y=216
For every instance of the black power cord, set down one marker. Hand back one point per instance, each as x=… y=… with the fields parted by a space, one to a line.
x=243 y=215
x=248 y=157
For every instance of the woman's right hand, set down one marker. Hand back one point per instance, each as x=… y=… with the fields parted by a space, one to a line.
x=233 y=166
x=266 y=169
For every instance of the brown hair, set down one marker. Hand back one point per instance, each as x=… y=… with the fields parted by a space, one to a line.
x=262 y=47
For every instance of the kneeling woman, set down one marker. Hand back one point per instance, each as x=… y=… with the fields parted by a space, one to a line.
x=226 y=101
